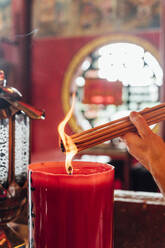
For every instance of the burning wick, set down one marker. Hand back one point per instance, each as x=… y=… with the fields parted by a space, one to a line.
x=70 y=147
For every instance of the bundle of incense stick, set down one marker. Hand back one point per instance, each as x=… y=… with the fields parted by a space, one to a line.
x=116 y=128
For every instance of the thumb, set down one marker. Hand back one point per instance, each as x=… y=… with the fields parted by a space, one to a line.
x=140 y=124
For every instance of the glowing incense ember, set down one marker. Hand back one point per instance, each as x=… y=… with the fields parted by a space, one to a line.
x=70 y=147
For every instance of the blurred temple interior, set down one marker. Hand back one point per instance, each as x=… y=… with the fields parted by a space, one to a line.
x=111 y=54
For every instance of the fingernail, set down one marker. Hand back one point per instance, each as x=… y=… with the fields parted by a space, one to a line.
x=133 y=116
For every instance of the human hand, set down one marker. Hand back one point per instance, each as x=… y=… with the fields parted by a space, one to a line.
x=148 y=148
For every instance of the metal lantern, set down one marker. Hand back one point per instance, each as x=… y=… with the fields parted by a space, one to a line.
x=15 y=118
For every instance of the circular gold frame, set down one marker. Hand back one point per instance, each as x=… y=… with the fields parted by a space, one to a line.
x=84 y=51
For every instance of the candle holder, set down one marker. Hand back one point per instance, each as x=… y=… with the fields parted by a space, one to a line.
x=15 y=118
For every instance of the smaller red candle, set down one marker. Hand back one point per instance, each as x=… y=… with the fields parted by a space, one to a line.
x=71 y=211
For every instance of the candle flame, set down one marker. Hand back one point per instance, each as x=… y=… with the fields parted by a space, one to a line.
x=70 y=147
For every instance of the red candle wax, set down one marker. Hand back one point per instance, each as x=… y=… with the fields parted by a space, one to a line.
x=71 y=211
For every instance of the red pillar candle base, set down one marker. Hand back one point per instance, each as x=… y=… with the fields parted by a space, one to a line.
x=71 y=211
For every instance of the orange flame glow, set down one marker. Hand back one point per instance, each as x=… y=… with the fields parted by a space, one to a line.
x=70 y=147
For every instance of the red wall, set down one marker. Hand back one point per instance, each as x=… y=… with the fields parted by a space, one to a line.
x=50 y=59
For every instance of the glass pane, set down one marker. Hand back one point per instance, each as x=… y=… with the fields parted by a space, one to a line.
x=22 y=133
x=4 y=150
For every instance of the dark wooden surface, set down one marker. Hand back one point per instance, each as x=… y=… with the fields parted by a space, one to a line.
x=139 y=220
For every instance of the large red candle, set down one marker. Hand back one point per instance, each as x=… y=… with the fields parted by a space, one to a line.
x=71 y=211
